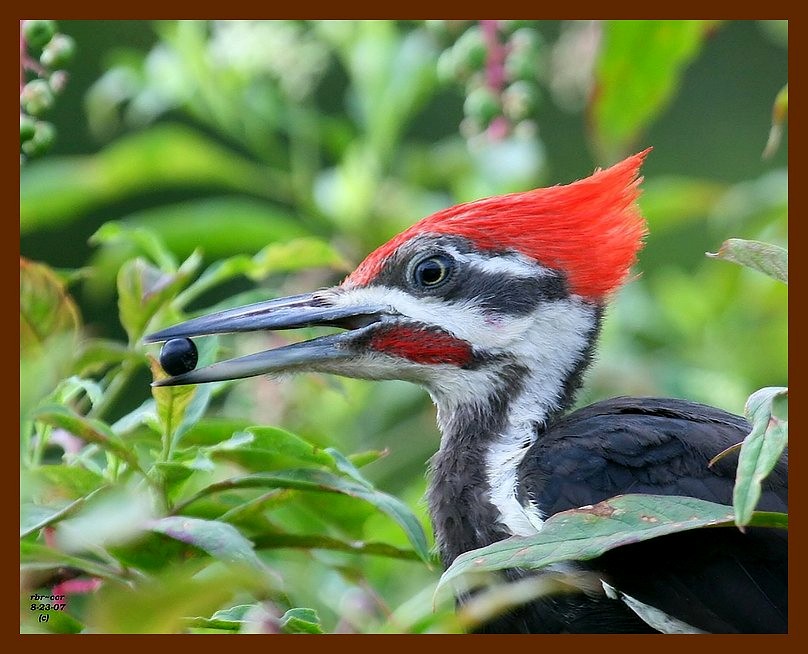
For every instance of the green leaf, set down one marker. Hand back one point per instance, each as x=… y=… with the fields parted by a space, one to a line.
x=588 y=532
x=46 y=308
x=287 y=256
x=209 y=220
x=68 y=389
x=322 y=481
x=219 y=539
x=760 y=452
x=213 y=430
x=361 y=459
x=34 y=517
x=163 y=603
x=143 y=239
x=269 y=448
x=301 y=621
x=152 y=552
x=173 y=474
x=34 y=556
x=296 y=254
x=96 y=355
x=57 y=190
x=172 y=403
x=92 y=431
x=318 y=542
x=347 y=468
x=230 y=619
x=198 y=405
x=59 y=622
x=66 y=482
x=638 y=71
x=771 y=260
x=144 y=289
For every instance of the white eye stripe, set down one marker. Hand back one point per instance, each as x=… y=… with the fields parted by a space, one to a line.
x=513 y=264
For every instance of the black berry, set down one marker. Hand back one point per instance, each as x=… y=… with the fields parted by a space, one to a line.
x=178 y=356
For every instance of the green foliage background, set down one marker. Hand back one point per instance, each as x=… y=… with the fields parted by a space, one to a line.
x=269 y=157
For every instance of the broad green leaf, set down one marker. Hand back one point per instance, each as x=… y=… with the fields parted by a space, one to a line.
x=779 y=118
x=252 y=514
x=322 y=481
x=145 y=414
x=760 y=452
x=301 y=621
x=144 y=289
x=287 y=256
x=137 y=238
x=771 y=260
x=59 y=482
x=173 y=474
x=219 y=539
x=230 y=619
x=151 y=552
x=46 y=308
x=97 y=354
x=71 y=387
x=342 y=516
x=269 y=448
x=34 y=556
x=34 y=517
x=347 y=468
x=296 y=254
x=56 y=190
x=172 y=402
x=588 y=532
x=213 y=429
x=196 y=407
x=206 y=225
x=638 y=72
x=315 y=541
x=92 y=431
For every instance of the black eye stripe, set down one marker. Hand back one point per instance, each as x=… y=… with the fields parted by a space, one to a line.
x=507 y=294
x=496 y=291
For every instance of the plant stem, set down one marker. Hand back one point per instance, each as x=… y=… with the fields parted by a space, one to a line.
x=113 y=391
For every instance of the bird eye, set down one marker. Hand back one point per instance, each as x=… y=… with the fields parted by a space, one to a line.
x=432 y=272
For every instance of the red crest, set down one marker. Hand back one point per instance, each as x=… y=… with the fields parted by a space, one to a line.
x=591 y=229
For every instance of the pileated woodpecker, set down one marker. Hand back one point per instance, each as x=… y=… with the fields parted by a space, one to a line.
x=495 y=306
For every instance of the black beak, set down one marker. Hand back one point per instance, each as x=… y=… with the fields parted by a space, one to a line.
x=311 y=309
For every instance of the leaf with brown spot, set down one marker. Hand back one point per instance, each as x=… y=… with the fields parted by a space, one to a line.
x=586 y=533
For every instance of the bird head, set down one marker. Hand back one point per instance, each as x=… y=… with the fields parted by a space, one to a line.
x=460 y=297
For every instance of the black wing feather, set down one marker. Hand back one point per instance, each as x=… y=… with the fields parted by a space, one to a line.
x=718 y=580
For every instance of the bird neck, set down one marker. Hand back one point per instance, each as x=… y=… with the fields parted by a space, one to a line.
x=485 y=435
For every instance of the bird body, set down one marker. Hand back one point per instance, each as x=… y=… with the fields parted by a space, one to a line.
x=495 y=307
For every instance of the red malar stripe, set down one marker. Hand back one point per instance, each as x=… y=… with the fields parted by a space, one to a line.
x=421 y=346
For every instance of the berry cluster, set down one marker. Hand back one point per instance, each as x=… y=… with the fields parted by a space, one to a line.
x=499 y=62
x=44 y=53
